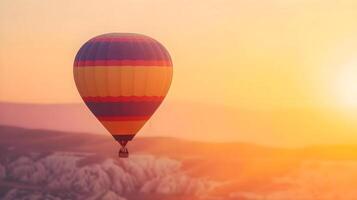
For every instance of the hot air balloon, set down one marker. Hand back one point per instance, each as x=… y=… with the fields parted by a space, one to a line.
x=122 y=78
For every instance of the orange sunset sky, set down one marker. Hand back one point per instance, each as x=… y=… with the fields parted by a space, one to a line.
x=293 y=60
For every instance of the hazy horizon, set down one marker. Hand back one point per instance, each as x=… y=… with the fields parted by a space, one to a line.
x=290 y=65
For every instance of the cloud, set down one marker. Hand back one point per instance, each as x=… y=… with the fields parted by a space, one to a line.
x=2 y=172
x=108 y=195
x=25 y=169
x=108 y=179
x=26 y=195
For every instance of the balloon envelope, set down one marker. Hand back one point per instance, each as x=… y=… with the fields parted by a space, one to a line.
x=122 y=78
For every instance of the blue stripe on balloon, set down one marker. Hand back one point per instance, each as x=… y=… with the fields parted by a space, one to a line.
x=122 y=50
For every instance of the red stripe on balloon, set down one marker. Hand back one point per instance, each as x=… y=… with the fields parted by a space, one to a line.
x=123 y=98
x=116 y=63
x=122 y=118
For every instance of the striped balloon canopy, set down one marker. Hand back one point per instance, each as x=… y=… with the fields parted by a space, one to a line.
x=122 y=78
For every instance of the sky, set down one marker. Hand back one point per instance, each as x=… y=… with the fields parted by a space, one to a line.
x=297 y=56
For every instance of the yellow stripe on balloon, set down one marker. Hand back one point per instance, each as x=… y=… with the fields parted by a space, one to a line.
x=123 y=80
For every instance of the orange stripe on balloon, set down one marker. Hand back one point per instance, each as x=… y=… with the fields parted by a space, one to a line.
x=123 y=127
x=123 y=81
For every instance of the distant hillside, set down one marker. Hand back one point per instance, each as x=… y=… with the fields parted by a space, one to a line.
x=25 y=140
x=196 y=121
x=183 y=120
x=62 y=117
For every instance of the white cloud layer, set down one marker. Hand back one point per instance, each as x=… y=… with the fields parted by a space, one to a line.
x=2 y=172
x=48 y=177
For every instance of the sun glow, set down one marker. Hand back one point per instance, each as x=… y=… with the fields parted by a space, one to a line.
x=346 y=86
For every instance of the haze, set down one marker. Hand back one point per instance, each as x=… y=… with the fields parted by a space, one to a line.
x=293 y=60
